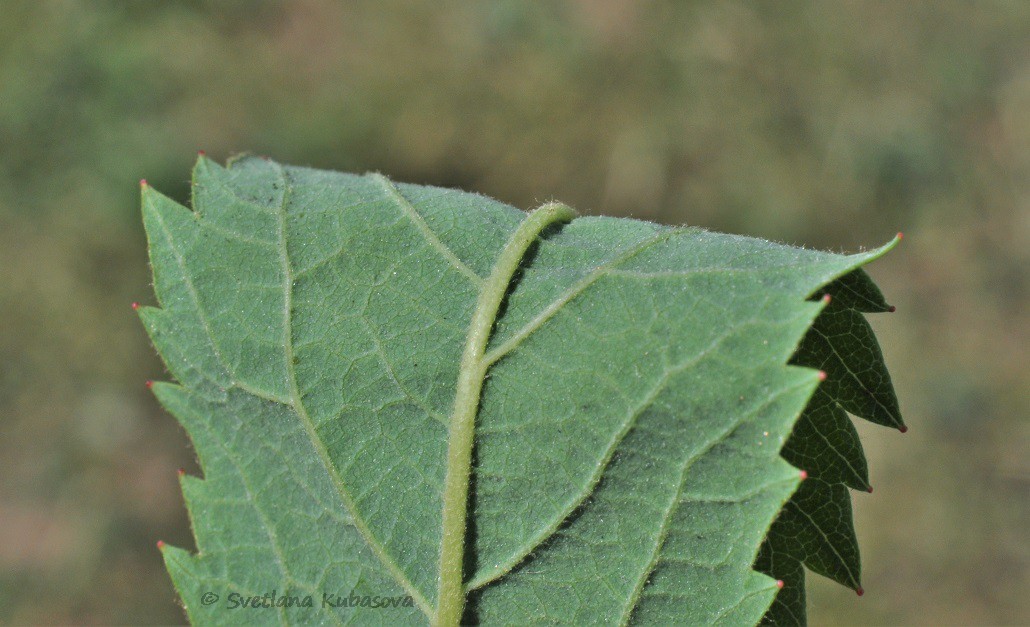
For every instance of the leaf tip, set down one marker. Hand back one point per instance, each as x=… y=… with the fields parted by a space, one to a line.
x=827 y=298
x=803 y=474
x=869 y=489
x=903 y=429
x=779 y=584
x=901 y=235
x=201 y=153
x=143 y=183
x=181 y=472
x=892 y=309
x=160 y=545
x=822 y=375
x=149 y=384
x=135 y=306
x=859 y=591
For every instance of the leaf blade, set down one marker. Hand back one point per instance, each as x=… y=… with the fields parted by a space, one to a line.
x=341 y=305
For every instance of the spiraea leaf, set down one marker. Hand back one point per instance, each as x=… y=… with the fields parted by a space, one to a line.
x=416 y=405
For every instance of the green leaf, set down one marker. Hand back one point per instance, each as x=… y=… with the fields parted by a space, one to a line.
x=421 y=394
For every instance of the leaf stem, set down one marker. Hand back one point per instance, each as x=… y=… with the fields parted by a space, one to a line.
x=461 y=431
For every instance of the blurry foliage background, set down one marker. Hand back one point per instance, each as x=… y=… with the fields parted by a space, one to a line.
x=827 y=124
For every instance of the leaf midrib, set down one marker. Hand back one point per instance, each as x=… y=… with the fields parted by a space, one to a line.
x=461 y=432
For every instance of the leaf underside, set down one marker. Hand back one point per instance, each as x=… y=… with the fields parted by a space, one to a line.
x=627 y=462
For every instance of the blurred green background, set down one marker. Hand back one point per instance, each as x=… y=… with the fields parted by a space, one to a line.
x=825 y=124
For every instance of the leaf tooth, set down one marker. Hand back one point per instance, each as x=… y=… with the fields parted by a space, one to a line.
x=825 y=443
x=190 y=410
x=776 y=560
x=857 y=291
x=187 y=353
x=842 y=344
x=818 y=525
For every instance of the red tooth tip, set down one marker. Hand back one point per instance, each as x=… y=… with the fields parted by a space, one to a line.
x=892 y=309
x=869 y=489
x=901 y=235
x=804 y=475
x=822 y=375
x=903 y=429
x=180 y=472
x=860 y=591
x=135 y=305
x=148 y=383
x=779 y=583
x=827 y=298
x=160 y=545
x=201 y=153
x=143 y=182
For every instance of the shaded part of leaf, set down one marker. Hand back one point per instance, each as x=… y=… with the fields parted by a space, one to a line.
x=776 y=560
x=266 y=484
x=826 y=445
x=856 y=290
x=817 y=526
x=842 y=344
